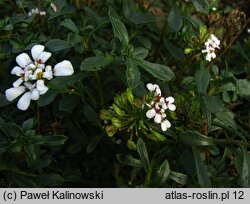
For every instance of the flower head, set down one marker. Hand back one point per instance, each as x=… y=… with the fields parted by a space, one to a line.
x=212 y=43
x=158 y=107
x=33 y=75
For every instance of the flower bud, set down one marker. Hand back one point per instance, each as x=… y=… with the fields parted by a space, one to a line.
x=105 y=115
x=110 y=130
x=130 y=96
x=157 y=136
x=131 y=145
x=118 y=111
x=116 y=122
x=188 y=50
x=118 y=101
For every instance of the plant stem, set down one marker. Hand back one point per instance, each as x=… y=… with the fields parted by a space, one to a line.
x=38 y=118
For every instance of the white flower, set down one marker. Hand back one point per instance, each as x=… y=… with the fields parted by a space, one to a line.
x=36 y=11
x=169 y=103
x=63 y=68
x=212 y=43
x=165 y=124
x=154 y=87
x=34 y=75
x=158 y=106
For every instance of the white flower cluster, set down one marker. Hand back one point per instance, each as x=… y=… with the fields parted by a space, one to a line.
x=212 y=43
x=33 y=74
x=158 y=106
x=37 y=11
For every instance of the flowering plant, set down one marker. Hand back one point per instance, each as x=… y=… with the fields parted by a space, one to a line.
x=133 y=93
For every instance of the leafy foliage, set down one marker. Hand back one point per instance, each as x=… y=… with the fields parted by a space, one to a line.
x=73 y=138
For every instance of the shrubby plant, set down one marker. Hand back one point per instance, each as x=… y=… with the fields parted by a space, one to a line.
x=132 y=93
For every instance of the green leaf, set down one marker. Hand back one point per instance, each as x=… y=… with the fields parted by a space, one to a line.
x=178 y=177
x=29 y=124
x=163 y=173
x=128 y=7
x=53 y=140
x=23 y=182
x=74 y=39
x=93 y=143
x=140 y=53
x=202 y=78
x=96 y=63
x=203 y=178
x=69 y=24
x=56 y=45
x=174 y=19
x=144 y=18
x=195 y=138
x=119 y=28
x=133 y=74
x=159 y=71
x=142 y=151
x=89 y=113
x=245 y=169
x=227 y=119
x=50 y=180
x=213 y=104
x=176 y=52
x=128 y=160
x=47 y=98
x=243 y=87
x=68 y=103
x=201 y=5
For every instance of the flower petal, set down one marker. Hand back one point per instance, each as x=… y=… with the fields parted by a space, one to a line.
x=157 y=118
x=44 y=56
x=48 y=74
x=18 y=82
x=165 y=125
x=17 y=71
x=171 y=107
x=23 y=60
x=14 y=92
x=36 y=51
x=150 y=113
x=63 y=68
x=24 y=101
x=150 y=87
x=41 y=87
x=170 y=99
x=34 y=94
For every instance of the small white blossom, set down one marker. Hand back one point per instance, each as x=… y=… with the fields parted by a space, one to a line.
x=33 y=75
x=37 y=11
x=158 y=106
x=212 y=43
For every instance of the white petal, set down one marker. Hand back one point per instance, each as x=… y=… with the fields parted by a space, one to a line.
x=63 y=68
x=28 y=85
x=158 y=91
x=36 y=51
x=150 y=113
x=44 y=56
x=35 y=94
x=150 y=87
x=171 y=107
x=17 y=71
x=157 y=118
x=23 y=60
x=170 y=99
x=24 y=101
x=18 y=82
x=41 y=87
x=164 y=106
x=14 y=92
x=165 y=125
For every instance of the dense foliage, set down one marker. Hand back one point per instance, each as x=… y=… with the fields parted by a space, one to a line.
x=136 y=63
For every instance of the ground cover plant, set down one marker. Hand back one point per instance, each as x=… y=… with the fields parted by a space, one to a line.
x=132 y=93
